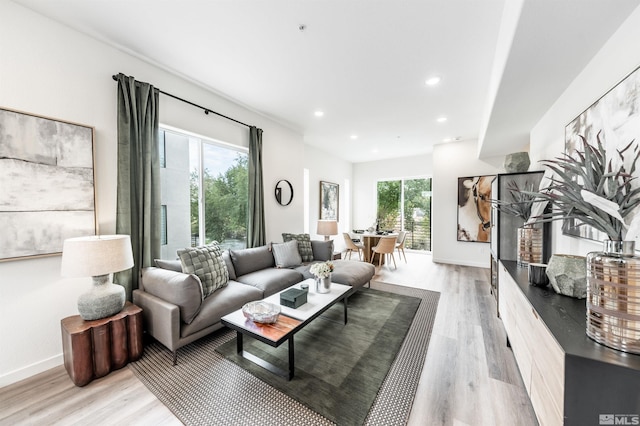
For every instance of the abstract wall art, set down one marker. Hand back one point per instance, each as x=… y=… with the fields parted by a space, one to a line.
x=47 y=192
x=616 y=117
x=329 y=201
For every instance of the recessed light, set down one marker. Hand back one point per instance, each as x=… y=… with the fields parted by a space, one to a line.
x=447 y=140
x=441 y=119
x=432 y=81
x=354 y=137
x=318 y=113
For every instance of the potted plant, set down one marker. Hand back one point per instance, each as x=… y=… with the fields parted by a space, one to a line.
x=599 y=190
x=529 y=238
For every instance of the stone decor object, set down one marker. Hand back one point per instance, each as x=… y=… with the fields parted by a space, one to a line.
x=568 y=275
x=517 y=162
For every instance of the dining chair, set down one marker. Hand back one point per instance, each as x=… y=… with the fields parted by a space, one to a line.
x=402 y=236
x=386 y=246
x=352 y=246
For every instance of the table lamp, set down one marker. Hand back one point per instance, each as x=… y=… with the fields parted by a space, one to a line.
x=98 y=256
x=327 y=227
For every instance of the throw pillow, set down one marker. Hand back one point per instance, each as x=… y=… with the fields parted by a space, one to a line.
x=286 y=254
x=322 y=250
x=304 y=245
x=206 y=262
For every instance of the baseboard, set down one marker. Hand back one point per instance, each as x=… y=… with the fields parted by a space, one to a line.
x=30 y=370
x=461 y=263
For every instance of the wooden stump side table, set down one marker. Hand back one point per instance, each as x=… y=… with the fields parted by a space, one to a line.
x=93 y=349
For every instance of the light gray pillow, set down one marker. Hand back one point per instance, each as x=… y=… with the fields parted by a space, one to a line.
x=304 y=245
x=286 y=254
x=182 y=290
x=207 y=263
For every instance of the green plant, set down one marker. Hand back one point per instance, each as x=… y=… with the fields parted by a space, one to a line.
x=521 y=201
x=595 y=189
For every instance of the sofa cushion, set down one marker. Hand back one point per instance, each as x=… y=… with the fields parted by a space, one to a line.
x=251 y=259
x=183 y=290
x=172 y=265
x=322 y=250
x=207 y=263
x=227 y=261
x=304 y=245
x=355 y=274
x=219 y=304
x=286 y=254
x=271 y=280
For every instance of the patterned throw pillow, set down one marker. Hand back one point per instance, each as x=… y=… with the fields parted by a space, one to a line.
x=206 y=262
x=304 y=245
x=286 y=254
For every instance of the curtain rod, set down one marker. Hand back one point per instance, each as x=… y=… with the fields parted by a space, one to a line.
x=206 y=110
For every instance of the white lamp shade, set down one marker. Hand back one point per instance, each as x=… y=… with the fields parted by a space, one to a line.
x=96 y=255
x=327 y=227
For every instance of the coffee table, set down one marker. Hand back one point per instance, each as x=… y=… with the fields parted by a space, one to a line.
x=289 y=323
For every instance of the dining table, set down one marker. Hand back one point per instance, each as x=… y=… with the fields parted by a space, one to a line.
x=370 y=240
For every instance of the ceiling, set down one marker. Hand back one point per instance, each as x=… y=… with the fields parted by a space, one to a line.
x=364 y=63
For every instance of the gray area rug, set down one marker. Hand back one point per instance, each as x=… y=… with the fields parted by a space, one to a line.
x=205 y=388
x=339 y=368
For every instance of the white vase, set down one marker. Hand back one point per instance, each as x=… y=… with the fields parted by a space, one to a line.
x=323 y=285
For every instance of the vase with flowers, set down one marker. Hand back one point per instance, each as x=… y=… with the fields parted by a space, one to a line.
x=600 y=190
x=322 y=273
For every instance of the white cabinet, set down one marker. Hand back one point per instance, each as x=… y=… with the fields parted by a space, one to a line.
x=540 y=358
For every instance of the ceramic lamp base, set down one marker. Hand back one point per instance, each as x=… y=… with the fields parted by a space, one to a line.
x=103 y=300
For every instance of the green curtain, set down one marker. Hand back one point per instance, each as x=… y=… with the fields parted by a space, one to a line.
x=255 y=230
x=138 y=203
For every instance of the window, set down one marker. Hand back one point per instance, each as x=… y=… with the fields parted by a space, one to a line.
x=163 y=150
x=163 y=225
x=205 y=190
x=406 y=205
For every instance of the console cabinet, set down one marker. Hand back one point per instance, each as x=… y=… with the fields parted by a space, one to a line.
x=540 y=358
x=570 y=379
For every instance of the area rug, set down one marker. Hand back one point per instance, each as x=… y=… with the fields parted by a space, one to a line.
x=206 y=388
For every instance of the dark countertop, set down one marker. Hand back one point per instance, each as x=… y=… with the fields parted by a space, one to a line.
x=565 y=317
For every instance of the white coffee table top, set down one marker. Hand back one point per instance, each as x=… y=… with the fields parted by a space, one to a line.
x=315 y=301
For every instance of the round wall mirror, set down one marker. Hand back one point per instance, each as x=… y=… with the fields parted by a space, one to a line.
x=284 y=192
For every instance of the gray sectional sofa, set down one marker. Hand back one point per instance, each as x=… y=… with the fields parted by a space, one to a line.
x=176 y=313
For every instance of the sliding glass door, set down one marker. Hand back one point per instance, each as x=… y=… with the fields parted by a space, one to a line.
x=405 y=205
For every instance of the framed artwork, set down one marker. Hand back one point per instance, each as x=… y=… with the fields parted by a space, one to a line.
x=615 y=116
x=329 y=201
x=474 y=208
x=47 y=175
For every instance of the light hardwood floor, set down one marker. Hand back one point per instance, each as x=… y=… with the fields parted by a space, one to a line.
x=469 y=377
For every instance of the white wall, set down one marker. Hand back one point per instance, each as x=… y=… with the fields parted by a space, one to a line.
x=366 y=175
x=618 y=57
x=451 y=161
x=50 y=70
x=324 y=167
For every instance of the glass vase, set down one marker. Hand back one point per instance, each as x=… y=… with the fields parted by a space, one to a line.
x=613 y=296
x=529 y=245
